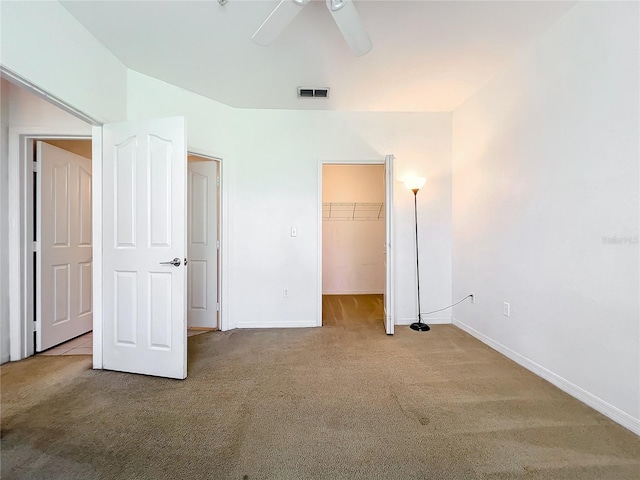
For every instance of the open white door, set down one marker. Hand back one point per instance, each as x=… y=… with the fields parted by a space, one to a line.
x=63 y=262
x=202 y=240
x=144 y=247
x=389 y=305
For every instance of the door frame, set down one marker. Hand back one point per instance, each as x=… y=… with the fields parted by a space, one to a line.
x=20 y=206
x=220 y=228
x=322 y=163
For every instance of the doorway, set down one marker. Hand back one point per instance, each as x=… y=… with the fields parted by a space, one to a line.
x=356 y=267
x=63 y=248
x=203 y=243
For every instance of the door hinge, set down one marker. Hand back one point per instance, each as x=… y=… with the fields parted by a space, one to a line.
x=217 y=181
x=36 y=247
x=218 y=244
x=217 y=307
x=36 y=167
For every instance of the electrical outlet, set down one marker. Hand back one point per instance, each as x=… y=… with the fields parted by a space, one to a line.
x=473 y=298
x=294 y=232
x=285 y=293
x=506 y=309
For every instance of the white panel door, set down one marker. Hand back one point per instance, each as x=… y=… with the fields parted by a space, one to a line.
x=389 y=305
x=144 y=210
x=202 y=239
x=64 y=263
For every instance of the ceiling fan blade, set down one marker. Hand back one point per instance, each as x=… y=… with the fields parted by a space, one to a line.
x=277 y=21
x=350 y=24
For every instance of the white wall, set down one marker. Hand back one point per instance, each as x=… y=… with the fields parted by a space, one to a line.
x=271 y=158
x=4 y=223
x=277 y=179
x=545 y=173
x=28 y=110
x=353 y=183
x=352 y=250
x=44 y=43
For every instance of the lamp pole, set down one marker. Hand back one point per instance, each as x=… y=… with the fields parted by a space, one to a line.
x=418 y=326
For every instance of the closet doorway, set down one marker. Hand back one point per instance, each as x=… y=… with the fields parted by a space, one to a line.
x=353 y=245
x=63 y=246
x=203 y=243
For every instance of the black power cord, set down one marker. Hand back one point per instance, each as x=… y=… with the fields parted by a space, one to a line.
x=441 y=309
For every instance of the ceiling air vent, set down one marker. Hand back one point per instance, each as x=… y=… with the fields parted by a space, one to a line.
x=305 y=92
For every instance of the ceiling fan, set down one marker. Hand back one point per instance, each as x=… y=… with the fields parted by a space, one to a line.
x=344 y=14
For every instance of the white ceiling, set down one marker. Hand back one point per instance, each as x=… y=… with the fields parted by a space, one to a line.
x=427 y=55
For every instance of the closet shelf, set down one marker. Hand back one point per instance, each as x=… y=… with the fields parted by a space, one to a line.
x=352 y=211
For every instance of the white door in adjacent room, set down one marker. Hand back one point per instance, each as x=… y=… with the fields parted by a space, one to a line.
x=64 y=254
x=203 y=243
x=389 y=305
x=144 y=247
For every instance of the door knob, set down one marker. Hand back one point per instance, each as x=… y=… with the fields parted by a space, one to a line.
x=175 y=262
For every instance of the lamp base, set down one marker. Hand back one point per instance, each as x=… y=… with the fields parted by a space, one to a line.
x=420 y=327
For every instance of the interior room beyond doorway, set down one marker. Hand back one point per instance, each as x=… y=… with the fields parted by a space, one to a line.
x=353 y=243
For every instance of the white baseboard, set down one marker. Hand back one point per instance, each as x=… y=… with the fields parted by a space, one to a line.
x=275 y=324
x=363 y=292
x=566 y=386
x=428 y=320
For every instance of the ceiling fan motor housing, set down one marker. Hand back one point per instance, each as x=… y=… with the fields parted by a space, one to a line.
x=344 y=13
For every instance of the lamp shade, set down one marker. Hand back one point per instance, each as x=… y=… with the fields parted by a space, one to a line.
x=414 y=183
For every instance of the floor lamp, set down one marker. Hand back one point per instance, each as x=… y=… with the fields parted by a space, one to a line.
x=415 y=184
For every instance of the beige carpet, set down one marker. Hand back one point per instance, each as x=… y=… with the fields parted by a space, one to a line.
x=343 y=401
